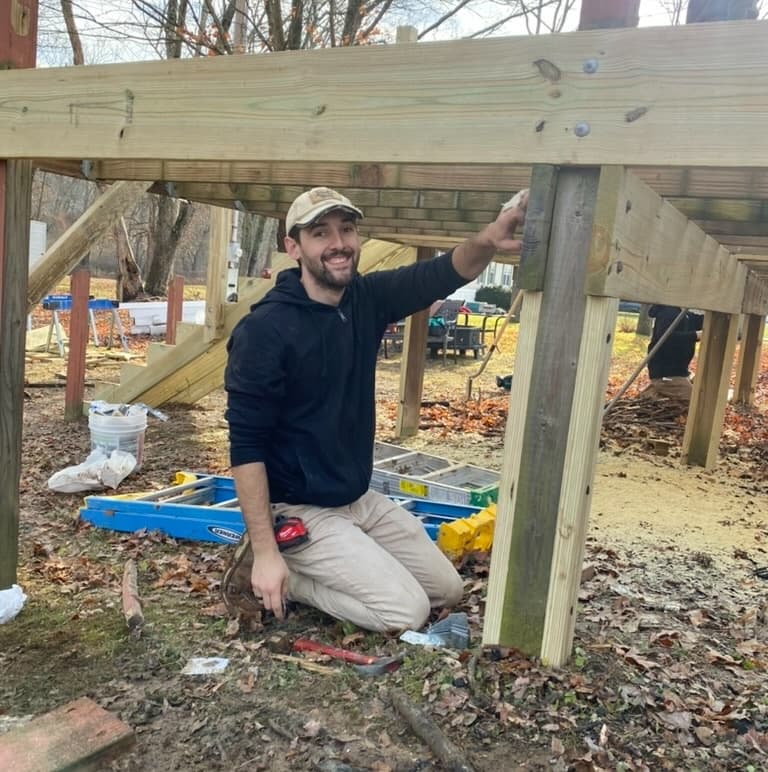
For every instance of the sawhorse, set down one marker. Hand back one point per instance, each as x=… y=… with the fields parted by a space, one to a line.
x=57 y=303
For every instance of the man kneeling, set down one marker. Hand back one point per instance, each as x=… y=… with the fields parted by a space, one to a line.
x=300 y=382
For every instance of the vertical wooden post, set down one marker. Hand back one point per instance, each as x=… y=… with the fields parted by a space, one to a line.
x=710 y=389
x=561 y=371
x=749 y=359
x=80 y=283
x=218 y=247
x=174 y=308
x=602 y=14
x=18 y=38
x=412 y=365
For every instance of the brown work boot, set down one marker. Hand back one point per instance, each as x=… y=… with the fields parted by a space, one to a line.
x=236 y=589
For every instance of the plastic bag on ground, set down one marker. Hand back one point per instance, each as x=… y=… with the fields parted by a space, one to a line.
x=96 y=472
x=11 y=602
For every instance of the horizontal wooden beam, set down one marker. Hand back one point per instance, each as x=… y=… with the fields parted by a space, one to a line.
x=693 y=182
x=646 y=250
x=596 y=97
x=722 y=209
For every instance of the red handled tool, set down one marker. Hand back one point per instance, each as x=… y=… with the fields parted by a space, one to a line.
x=364 y=663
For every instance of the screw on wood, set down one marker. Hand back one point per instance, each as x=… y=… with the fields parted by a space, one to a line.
x=581 y=129
x=590 y=66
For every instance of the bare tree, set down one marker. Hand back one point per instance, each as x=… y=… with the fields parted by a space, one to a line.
x=72 y=32
x=546 y=16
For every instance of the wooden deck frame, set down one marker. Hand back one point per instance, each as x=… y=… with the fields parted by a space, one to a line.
x=626 y=110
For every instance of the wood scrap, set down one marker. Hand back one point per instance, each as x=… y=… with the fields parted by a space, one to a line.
x=306 y=664
x=132 y=610
x=480 y=699
x=450 y=757
x=78 y=735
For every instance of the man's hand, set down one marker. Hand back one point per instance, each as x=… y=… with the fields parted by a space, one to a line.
x=471 y=257
x=502 y=230
x=269 y=579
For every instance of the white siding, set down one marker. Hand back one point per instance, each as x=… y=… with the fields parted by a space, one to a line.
x=38 y=236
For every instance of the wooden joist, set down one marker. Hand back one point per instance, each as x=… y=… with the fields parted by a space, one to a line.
x=597 y=97
x=646 y=250
x=682 y=182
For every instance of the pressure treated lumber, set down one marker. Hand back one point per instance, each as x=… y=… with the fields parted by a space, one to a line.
x=748 y=365
x=412 y=366
x=710 y=389
x=67 y=251
x=174 y=308
x=646 y=250
x=578 y=478
x=218 y=253
x=541 y=473
x=686 y=182
x=596 y=97
x=77 y=736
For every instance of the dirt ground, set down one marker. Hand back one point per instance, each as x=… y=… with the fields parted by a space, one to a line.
x=671 y=643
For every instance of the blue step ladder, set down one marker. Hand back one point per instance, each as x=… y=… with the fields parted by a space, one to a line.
x=205 y=508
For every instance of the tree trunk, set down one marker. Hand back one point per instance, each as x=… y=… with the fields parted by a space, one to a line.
x=74 y=35
x=172 y=217
x=644 y=321
x=258 y=240
x=129 y=283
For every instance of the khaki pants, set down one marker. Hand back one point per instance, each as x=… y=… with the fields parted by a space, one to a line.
x=677 y=387
x=370 y=563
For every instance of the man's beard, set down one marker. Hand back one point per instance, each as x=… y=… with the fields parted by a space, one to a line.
x=324 y=277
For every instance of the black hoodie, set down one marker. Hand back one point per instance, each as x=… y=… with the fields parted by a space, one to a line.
x=300 y=379
x=677 y=351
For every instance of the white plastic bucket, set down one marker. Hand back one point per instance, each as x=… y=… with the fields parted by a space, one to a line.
x=119 y=432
